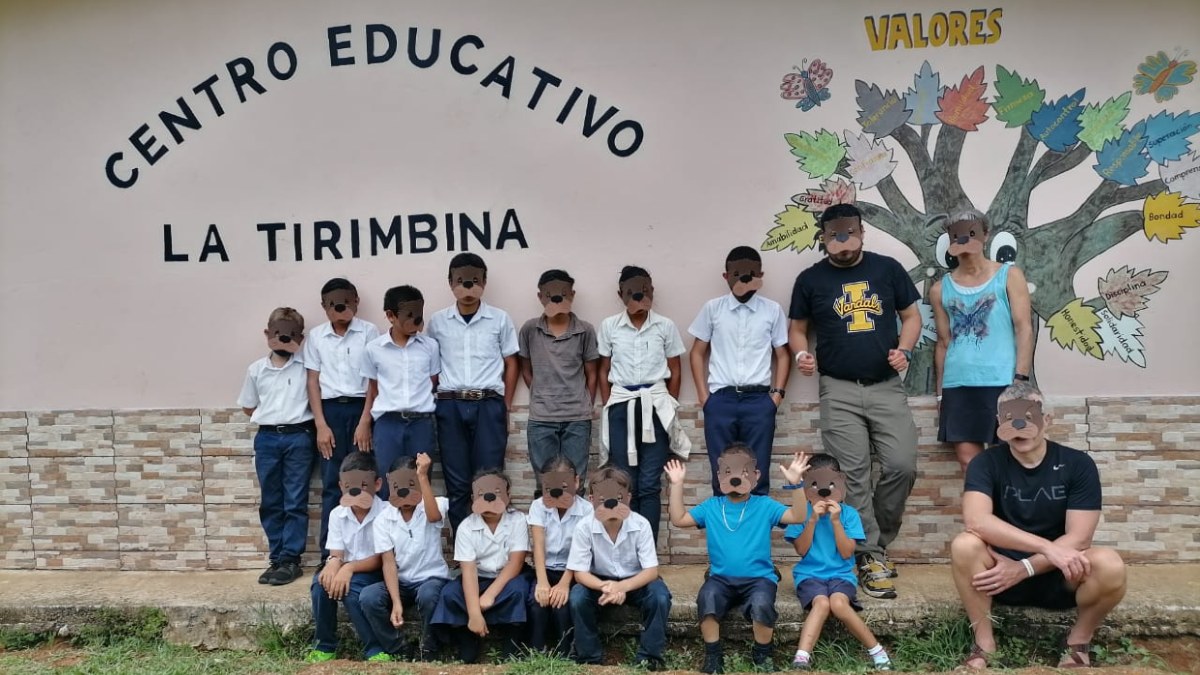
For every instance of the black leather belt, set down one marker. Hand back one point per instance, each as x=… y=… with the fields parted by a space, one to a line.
x=468 y=394
x=302 y=427
x=404 y=415
x=867 y=381
x=745 y=389
x=345 y=399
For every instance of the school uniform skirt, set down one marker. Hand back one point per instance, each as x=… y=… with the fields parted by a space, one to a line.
x=510 y=606
x=968 y=415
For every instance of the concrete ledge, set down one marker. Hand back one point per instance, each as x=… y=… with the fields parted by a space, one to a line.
x=222 y=610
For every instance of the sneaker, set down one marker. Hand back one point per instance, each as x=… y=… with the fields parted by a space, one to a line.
x=873 y=578
x=285 y=574
x=760 y=656
x=318 y=656
x=890 y=567
x=883 y=665
x=265 y=577
x=802 y=662
x=381 y=657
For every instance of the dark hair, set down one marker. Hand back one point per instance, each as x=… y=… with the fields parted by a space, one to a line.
x=743 y=253
x=492 y=472
x=629 y=272
x=358 y=461
x=555 y=275
x=840 y=211
x=466 y=260
x=338 y=284
x=738 y=449
x=398 y=294
x=403 y=462
x=614 y=472
x=557 y=463
x=822 y=460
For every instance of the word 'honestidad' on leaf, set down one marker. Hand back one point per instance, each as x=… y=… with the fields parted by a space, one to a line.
x=1167 y=217
x=1074 y=327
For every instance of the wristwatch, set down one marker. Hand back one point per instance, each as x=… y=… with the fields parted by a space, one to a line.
x=777 y=390
x=797 y=486
x=1021 y=377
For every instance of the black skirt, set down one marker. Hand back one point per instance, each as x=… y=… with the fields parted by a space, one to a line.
x=968 y=415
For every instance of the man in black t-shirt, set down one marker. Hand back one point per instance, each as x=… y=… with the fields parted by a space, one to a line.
x=1031 y=507
x=852 y=299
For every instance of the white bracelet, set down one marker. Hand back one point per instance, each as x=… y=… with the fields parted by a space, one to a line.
x=1028 y=566
x=800 y=355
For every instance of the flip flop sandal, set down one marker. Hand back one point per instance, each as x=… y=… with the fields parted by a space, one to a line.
x=1077 y=656
x=976 y=653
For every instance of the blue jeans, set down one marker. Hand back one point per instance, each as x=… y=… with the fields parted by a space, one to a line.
x=548 y=626
x=572 y=439
x=748 y=418
x=284 y=464
x=376 y=605
x=396 y=437
x=653 y=599
x=325 y=614
x=472 y=437
x=342 y=419
x=652 y=457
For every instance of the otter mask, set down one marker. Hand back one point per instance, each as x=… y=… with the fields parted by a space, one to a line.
x=737 y=474
x=489 y=494
x=358 y=488
x=610 y=499
x=403 y=488
x=1020 y=418
x=558 y=489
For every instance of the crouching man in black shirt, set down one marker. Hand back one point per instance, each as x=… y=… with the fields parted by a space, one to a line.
x=1031 y=507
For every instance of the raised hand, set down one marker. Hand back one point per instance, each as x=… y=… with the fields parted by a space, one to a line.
x=675 y=471
x=794 y=472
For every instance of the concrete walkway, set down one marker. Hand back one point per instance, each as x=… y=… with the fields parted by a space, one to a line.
x=223 y=609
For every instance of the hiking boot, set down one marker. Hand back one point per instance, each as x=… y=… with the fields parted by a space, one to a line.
x=285 y=574
x=889 y=566
x=318 y=656
x=714 y=659
x=265 y=577
x=760 y=656
x=874 y=579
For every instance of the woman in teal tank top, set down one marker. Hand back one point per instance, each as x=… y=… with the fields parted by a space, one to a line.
x=984 y=336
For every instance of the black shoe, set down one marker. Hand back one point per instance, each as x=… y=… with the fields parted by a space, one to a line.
x=651 y=664
x=760 y=655
x=286 y=574
x=265 y=577
x=714 y=659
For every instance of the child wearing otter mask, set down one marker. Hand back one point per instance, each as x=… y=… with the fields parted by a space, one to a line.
x=274 y=396
x=352 y=564
x=491 y=595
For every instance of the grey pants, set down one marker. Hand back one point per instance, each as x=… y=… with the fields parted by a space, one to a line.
x=861 y=423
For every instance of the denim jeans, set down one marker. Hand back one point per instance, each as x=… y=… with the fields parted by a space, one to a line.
x=342 y=419
x=652 y=457
x=396 y=437
x=376 y=605
x=653 y=599
x=472 y=436
x=572 y=439
x=747 y=418
x=325 y=614
x=284 y=464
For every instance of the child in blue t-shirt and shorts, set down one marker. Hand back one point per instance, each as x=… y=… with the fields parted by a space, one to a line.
x=824 y=576
x=737 y=529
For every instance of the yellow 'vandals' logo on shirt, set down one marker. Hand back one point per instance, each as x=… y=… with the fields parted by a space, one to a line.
x=855 y=303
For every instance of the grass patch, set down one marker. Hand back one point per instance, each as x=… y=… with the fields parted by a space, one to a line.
x=533 y=662
x=16 y=639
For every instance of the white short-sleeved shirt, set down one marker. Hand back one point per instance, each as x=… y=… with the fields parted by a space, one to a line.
x=743 y=337
x=638 y=355
x=490 y=550
x=473 y=353
x=402 y=373
x=417 y=543
x=593 y=551
x=355 y=539
x=559 y=531
x=278 y=395
x=338 y=358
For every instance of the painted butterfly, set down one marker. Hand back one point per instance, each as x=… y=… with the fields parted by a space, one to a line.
x=1163 y=77
x=807 y=86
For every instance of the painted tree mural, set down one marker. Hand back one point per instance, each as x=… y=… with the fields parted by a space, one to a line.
x=931 y=122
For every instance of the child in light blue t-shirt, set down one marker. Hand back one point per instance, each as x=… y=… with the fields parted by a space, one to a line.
x=737 y=528
x=824 y=576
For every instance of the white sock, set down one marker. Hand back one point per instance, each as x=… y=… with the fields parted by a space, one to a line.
x=878 y=654
x=802 y=656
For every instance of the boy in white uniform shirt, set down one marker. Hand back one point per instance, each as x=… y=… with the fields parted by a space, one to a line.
x=409 y=536
x=741 y=365
x=274 y=397
x=613 y=558
x=337 y=391
x=352 y=564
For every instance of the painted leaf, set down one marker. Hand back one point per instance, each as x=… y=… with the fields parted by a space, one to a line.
x=1183 y=176
x=1167 y=217
x=1121 y=337
x=963 y=106
x=1057 y=124
x=816 y=200
x=922 y=98
x=1074 y=327
x=880 y=112
x=1126 y=292
x=820 y=153
x=1102 y=123
x=1123 y=160
x=1168 y=135
x=869 y=161
x=1016 y=98
x=795 y=229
